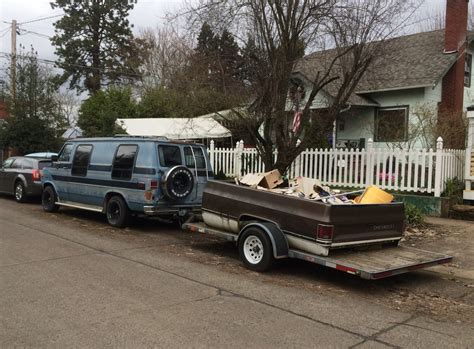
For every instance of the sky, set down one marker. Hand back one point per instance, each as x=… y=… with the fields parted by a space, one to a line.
x=146 y=13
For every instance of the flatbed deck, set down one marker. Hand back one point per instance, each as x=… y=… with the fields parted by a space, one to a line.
x=370 y=264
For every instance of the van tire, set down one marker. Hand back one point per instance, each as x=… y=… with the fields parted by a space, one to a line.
x=48 y=199
x=178 y=183
x=255 y=249
x=117 y=212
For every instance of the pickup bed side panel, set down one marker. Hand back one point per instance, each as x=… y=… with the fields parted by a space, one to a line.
x=353 y=223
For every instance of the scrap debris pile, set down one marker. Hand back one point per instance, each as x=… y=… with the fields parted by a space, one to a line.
x=312 y=189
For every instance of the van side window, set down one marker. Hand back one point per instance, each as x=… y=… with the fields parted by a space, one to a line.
x=198 y=155
x=80 y=163
x=65 y=155
x=170 y=155
x=124 y=161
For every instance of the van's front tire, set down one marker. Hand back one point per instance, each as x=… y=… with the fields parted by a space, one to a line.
x=48 y=199
x=117 y=211
x=256 y=250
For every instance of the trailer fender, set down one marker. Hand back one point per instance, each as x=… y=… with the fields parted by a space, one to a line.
x=276 y=236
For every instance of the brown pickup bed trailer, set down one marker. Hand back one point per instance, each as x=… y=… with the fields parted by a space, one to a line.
x=230 y=207
x=368 y=264
x=361 y=239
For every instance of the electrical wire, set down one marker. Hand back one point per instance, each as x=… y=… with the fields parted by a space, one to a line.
x=35 y=33
x=51 y=62
x=41 y=19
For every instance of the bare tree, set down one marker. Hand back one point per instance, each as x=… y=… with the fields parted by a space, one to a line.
x=282 y=30
x=68 y=105
x=166 y=52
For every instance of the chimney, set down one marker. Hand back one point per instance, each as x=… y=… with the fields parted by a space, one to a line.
x=456 y=25
x=452 y=97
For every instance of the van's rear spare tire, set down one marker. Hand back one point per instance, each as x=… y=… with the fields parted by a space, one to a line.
x=178 y=183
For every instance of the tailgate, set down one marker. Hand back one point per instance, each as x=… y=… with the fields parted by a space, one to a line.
x=363 y=223
x=378 y=264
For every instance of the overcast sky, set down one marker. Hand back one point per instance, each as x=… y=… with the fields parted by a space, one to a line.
x=147 y=13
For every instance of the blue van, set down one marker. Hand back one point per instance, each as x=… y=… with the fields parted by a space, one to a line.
x=124 y=176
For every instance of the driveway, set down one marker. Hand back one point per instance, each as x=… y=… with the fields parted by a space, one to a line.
x=69 y=280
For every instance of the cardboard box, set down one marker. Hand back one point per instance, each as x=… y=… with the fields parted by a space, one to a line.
x=267 y=180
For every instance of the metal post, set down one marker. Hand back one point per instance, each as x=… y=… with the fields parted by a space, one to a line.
x=211 y=154
x=13 y=60
x=369 y=170
x=438 y=167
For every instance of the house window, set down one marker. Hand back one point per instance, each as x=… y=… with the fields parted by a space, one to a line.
x=391 y=124
x=468 y=71
x=124 y=161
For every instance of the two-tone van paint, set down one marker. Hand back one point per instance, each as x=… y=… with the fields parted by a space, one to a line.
x=121 y=176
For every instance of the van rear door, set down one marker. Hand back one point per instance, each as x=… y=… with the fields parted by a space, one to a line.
x=197 y=162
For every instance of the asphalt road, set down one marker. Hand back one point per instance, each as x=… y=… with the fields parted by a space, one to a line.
x=70 y=280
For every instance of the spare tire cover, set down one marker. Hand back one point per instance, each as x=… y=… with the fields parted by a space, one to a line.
x=178 y=183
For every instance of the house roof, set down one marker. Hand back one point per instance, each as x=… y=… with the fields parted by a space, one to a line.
x=409 y=61
x=175 y=128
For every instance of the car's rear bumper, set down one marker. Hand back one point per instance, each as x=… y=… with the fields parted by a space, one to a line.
x=34 y=189
x=180 y=210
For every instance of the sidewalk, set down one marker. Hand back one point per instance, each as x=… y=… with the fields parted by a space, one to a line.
x=454 y=237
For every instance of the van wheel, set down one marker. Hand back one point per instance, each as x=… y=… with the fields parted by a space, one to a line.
x=255 y=249
x=20 y=192
x=118 y=214
x=48 y=199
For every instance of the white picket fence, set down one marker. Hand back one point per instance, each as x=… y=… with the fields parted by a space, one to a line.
x=419 y=170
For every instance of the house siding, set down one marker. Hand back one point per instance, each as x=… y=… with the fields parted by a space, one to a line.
x=360 y=123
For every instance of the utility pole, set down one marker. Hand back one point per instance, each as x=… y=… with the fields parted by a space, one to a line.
x=13 y=60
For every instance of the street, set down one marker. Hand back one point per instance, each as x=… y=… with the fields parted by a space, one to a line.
x=69 y=280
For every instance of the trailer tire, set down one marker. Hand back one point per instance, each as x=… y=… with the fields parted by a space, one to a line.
x=256 y=250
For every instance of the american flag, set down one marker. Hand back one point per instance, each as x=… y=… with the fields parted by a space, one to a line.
x=297 y=121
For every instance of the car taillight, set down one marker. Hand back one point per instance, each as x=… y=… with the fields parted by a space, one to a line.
x=36 y=175
x=153 y=184
x=325 y=232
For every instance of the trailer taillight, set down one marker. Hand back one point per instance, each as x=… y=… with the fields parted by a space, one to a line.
x=36 y=175
x=325 y=232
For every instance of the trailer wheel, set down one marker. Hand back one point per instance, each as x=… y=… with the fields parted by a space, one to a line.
x=255 y=249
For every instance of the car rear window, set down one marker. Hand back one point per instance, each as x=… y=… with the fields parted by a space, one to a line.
x=43 y=164
x=170 y=155
x=124 y=161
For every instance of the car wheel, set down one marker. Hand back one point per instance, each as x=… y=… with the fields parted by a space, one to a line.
x=48 y=199
x=20 y=192
x=118 y=214
x=255 y=249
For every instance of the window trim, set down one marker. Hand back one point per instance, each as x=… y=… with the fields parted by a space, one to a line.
x=469 y=71
x=133 y=166
x=89 y=162
x=395 y=107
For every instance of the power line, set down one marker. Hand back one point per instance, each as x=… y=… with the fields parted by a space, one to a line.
x=41 y=19
x=35 y=33
x=51 y=62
